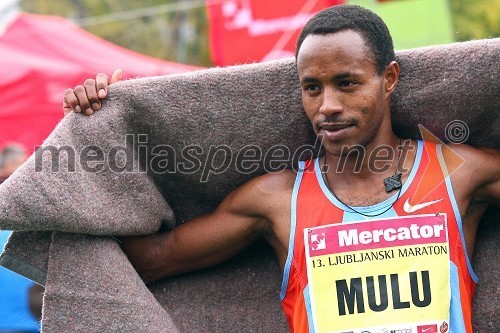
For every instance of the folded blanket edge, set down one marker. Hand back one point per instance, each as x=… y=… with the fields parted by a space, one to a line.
x=22 y=267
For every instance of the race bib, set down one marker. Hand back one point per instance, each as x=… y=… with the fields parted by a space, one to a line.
x=387 y=275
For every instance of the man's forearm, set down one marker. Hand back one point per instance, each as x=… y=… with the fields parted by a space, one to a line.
x=144 y=252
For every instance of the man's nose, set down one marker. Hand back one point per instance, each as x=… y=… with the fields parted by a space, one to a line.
x=331 y=102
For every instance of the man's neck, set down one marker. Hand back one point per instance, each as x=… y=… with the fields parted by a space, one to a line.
x=365 y=162
x=361 y=176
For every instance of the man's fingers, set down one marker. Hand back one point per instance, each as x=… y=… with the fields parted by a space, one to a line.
x=117 y=76
x=91 y=94
x=70 y=101
x=83 y=101
x=86 y=98
x=102 y=82
x=66 y=108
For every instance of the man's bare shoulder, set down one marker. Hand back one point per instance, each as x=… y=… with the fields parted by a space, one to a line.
x=265 y=192
x=478 y=171
x=275 y=182
x=474 y=152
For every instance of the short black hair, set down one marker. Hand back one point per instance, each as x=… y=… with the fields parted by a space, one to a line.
x=351 y=17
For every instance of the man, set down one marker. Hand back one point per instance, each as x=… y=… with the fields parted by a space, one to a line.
x=11 y=157
x=347 y=71
x=20 y=299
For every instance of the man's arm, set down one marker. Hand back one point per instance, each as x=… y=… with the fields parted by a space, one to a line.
x=476 y=185
x=247 y=214
x=478 y=178
x=489 y=190
x=87 y=98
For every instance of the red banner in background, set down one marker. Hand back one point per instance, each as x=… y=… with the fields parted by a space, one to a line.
x=247 y=31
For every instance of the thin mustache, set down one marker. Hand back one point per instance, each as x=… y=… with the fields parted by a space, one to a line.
x=334 y=121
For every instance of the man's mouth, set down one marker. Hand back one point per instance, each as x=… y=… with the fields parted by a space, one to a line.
x=334 y=127
x=335 y=131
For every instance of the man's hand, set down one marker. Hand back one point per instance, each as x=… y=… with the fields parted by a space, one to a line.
x=87 y=98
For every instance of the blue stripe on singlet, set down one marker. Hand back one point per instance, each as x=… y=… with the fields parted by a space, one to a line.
x=307 y=299
x=458 y=218
x=293 y=225
x=456 y=315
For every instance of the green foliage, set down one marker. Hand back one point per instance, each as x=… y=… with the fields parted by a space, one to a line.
x=475 y=19
x=182 y=36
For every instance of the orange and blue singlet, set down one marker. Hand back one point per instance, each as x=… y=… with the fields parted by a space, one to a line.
x=314 y=205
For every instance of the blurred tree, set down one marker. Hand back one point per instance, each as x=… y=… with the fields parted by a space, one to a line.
x=174 y=30
x=475 y=19
x=163 y=29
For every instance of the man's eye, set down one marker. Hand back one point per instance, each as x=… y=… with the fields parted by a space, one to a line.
x=346 y=83
x=311 y=87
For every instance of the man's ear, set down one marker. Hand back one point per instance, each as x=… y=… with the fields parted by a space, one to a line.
x=391 y=76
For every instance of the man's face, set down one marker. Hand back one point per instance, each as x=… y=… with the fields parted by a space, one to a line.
x=11 y=166
x=345 y=98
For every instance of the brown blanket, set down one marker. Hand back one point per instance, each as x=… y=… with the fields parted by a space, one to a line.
x=165 y=149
